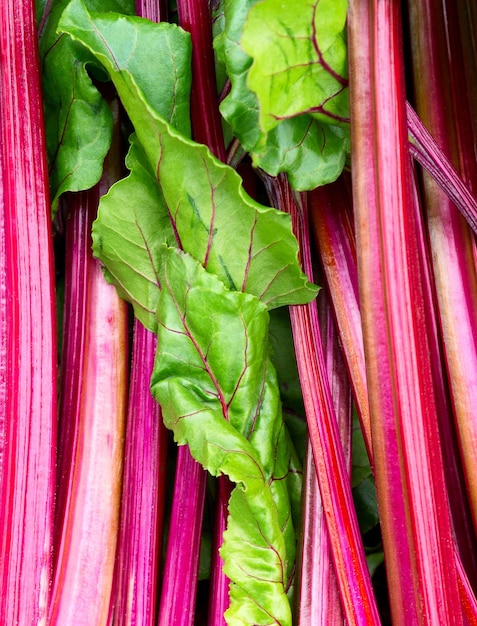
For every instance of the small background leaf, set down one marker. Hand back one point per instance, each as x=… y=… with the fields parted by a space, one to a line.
x=289 y=145
x=78 y=120
x=299 y=59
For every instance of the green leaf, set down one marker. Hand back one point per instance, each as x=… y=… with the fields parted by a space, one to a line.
x=312 y=153
x=128 y=235
x=249 y=246
x=218 y=393
x=364 y=496
x=299 y=59
x=78 y=119
x=374 y=560
x=283 y=356
x=361 y=468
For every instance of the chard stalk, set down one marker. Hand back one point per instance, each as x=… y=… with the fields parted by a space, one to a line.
x=415 y=523
x=331 y=219
x=27 y=325
x=318 y=594
x=330 y=214
x=427 y=153
x=181 y=564
x=142 y=509
x=194 y=17
x=94 y=447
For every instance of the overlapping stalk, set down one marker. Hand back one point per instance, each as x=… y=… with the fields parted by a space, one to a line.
x=453 y=244
x=28 y=373
x=318 y=599
x=142 y=509
x=331 y=219
x=347 y=551
x=408 y=465
x=454 y=267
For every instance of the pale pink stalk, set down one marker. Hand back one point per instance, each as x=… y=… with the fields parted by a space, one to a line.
x=28 y=370
x=414 y=514
x=90 y=513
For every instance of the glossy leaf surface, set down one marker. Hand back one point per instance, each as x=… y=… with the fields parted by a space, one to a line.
x=219 y=395
x=290 y=141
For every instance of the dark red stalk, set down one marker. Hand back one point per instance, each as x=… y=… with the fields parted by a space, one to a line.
x=318 y=600
x=453 y=244
x=219 y=584
x=409 y=475
x=347 y=551
x=467 y=37
x=27 y=329
x=194 y=17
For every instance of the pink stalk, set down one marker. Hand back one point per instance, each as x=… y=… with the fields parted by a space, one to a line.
x=318 y=594
x=142 y=509
x=181 y=565
x=219 y=584
x=461 y=516
x=75 y=320
x=90 y=512
x=453 y=244
x=330 y=213
x=136 y=578
x=153 y=10
x=347 y=551
x=27 y=329
x=409 y=475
